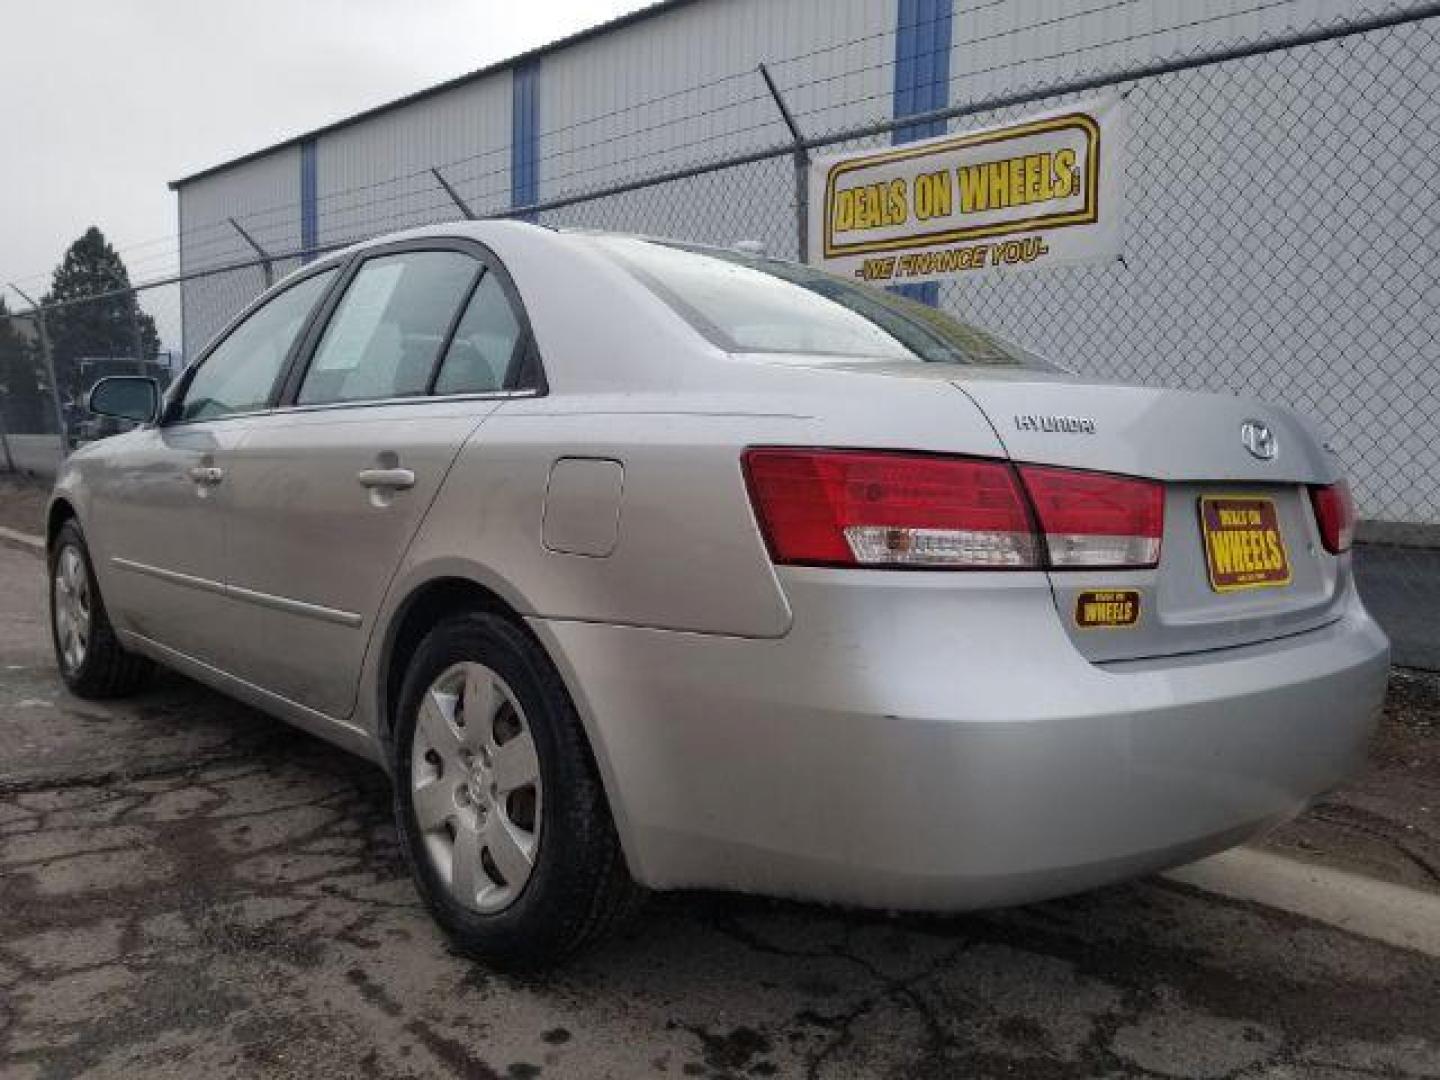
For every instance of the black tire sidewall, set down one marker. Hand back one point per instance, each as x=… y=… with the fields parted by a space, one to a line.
x=570 y=858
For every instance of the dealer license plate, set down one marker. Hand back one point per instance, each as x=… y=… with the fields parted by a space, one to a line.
x=1244 y=548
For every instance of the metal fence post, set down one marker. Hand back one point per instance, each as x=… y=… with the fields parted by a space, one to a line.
x=267 y=270
x=138 y=340
x=5 y=444
x=454 y=195
x=62 y=428
x=4 y=437
x=802 y=170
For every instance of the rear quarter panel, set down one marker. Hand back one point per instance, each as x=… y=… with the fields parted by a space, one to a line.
x=689 y=554
x=689 y=557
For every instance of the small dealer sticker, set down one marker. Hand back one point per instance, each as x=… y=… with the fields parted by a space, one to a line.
x=1107 y=607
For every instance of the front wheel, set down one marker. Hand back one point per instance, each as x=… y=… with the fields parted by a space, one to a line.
x=500 y=809
x=91 y=659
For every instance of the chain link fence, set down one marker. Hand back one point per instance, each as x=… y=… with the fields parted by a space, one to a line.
x=1280 y=241
x=1281 y=222
x=50 y=357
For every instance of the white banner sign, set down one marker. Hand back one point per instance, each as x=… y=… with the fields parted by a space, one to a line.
x=1042 y=191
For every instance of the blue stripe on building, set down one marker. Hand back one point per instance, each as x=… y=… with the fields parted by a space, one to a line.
x=309 y=210
x=922 y=84
x=525 y=135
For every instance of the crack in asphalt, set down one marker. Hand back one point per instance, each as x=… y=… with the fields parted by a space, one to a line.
x=258 y=886
x=1378 y=828
x=150 y=769
x=893 y=989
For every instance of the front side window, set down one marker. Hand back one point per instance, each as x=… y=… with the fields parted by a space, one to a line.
x=239 y=375
x=480 y=357
x=750 y=304
x=388 y=329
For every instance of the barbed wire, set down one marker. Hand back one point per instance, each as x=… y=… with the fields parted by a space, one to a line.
x=328 y=204
x=202 y=242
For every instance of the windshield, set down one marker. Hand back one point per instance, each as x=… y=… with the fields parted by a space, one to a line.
x=752 y=304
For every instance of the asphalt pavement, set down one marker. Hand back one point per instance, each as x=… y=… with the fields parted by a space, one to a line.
x=188 y=888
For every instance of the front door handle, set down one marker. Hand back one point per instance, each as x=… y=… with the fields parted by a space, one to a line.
x=393 y=479
x=207 y=474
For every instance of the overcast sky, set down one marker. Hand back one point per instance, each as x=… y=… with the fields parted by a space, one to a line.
x=107 y=100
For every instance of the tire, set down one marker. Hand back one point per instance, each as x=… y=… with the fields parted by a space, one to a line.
x=492 y=906
x=99 y=667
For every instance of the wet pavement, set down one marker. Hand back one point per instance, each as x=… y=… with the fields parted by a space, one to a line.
x=190 y=889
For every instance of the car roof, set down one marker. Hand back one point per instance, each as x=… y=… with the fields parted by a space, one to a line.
x=509 y=230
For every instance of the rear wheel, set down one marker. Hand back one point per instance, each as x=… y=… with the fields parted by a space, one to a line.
x=91 y=659
x=500 y=809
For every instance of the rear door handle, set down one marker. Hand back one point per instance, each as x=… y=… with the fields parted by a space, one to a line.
x=394 y=479
x=207 y=474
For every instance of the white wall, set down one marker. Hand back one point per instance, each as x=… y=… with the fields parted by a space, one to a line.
x=264 y=196
x=998 y=47
x=621 y=104
x=373 y=177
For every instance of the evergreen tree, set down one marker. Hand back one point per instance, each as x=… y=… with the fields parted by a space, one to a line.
x=113 y=326
x=25 y=404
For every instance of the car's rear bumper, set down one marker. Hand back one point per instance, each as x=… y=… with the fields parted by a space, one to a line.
x=912 y=747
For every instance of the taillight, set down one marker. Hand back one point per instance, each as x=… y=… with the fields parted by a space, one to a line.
x=1335 y=514
x=1093 y=520
x=877 y=508
x=869 y=508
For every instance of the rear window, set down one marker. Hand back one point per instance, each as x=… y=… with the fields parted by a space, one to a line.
x=750 y=304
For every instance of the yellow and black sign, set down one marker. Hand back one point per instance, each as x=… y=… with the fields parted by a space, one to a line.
x=1036 y=191
x=1243 y=545
x=1107 y=607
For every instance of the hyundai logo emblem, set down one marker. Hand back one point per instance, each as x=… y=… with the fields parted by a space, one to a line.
x=1258 y=439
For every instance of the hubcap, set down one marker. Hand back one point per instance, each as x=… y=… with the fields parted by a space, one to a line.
x=475 y=786
x=71 y=607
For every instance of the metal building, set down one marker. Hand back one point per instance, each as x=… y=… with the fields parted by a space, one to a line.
x=671 y=84
x=1263 y=254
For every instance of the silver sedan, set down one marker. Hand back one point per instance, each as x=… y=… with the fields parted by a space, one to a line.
x=644 y=564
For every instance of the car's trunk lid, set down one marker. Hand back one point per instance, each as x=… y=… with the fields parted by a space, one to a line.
x=1215 y=486
x=1140 y=431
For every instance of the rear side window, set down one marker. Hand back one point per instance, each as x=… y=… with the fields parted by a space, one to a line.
x=387 y=332
x=239 y=375
x=486 y=343
x=750 y=304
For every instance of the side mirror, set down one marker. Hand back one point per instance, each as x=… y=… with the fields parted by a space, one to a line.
x=125 y=397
